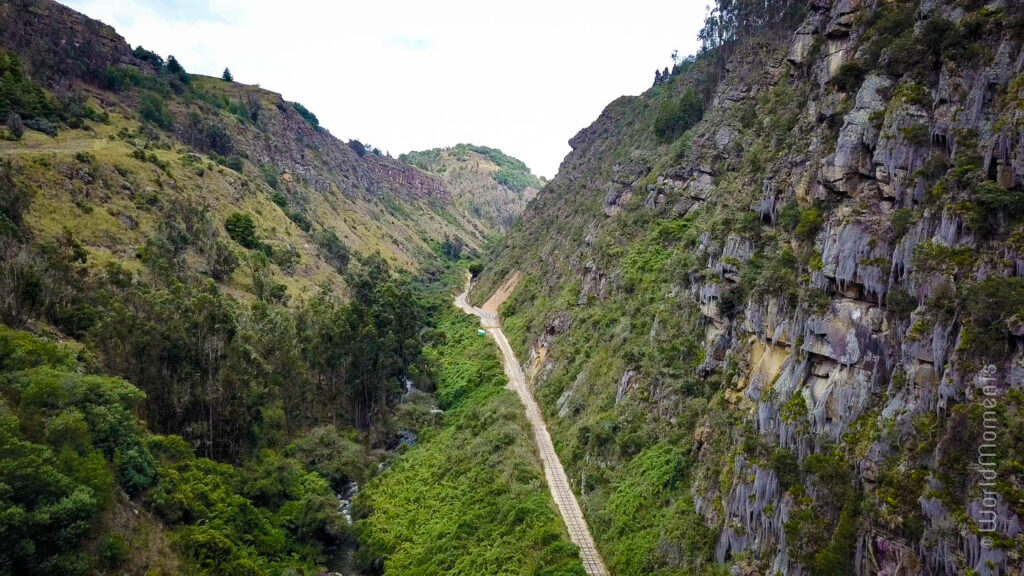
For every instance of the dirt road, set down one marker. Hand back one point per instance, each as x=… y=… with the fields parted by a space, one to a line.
x=558 y=483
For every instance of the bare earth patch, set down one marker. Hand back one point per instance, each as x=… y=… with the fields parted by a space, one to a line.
x=502 y=293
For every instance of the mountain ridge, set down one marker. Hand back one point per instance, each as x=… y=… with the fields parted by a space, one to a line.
x=751 y=300
x=485 y=181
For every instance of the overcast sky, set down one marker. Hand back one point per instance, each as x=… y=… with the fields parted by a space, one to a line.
x=523 y=76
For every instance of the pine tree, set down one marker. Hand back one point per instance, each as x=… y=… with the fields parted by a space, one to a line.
x=657 y=77
x=226 y=76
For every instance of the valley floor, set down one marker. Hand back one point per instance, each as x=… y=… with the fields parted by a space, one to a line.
x=554 y=473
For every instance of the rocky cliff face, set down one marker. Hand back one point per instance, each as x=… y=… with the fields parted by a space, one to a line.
x=60 y=44
x=788 y=340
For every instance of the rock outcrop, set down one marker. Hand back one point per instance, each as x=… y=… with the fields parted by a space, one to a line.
x=816 y=302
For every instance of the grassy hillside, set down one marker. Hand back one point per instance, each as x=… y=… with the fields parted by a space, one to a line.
x=124 y=145
x=211 y=311
x=760 y=301
x=485 y=183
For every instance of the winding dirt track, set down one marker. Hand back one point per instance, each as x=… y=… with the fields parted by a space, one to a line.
x=557 y=481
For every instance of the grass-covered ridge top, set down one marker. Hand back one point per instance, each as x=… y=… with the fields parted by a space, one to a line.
x=485 y=181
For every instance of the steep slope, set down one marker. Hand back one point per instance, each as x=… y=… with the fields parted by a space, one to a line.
x=771 y=306
x=486 y=183
x=128 y=142
x=201 y=352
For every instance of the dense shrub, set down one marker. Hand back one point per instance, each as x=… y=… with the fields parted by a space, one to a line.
x=838 y=557
x=916 y=135
x=992 y=207
x=307 y=115
x=990 y=307
x=268 y=517
x=216 y=139
x=358 y=147
x=175 y=67
x=148 y=56
x=849 y=77
x=269 y=172
x=676 y=116
x=21 y=96
x=451 y=248
x=242 y=229
x=153 y=108
x=810 y=222
x=61 y=435
x=121 y=78
x=235 y=163
x=900 y=221
x=14 y=200
x=336 y=251
x=515 y=180
x=337 y=457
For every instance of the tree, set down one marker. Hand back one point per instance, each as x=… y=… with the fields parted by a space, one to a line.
x=677 y=116
x=148 y=56
x=657 y=77
x=452 y=247
x=173 y=66
x=242 y=229
x=153 y=109
x=305 y=113
x=226 y=76
x=357 y=147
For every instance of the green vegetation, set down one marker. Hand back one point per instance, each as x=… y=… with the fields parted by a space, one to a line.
x=990 y=307
x=268 y=517
x=269 y=354
x=992 y=208
x=25 y=103
x=22 y=97
x=153 y=109
x=470 y=498
x=931 y=258
x=838 y=557
x=358 y=147
x=669 y=330
x=849 y=77
x=307 y=115
x=809 y=223
x=677 y=115
x=512 y=172
x=480 y=179
x=69 y=440
x=900 y=222
x=516 y=180
x=916 y=135
x=66 y=440
x=242 y=229
x=645 y=508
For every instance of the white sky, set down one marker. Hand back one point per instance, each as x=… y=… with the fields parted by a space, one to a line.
x=523 y=76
